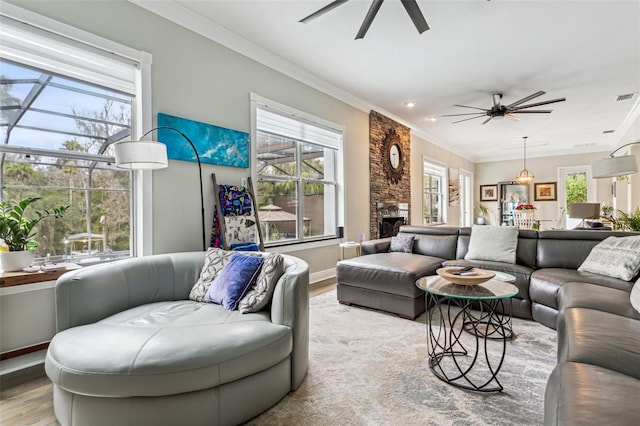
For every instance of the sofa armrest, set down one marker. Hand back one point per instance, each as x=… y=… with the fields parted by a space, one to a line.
x=376 y=246
x=87 y=295
x=290 y=307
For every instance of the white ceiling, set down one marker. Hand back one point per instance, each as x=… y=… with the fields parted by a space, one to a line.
x=585 y=51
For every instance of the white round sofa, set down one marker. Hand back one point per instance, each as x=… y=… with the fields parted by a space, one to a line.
x=132 y=349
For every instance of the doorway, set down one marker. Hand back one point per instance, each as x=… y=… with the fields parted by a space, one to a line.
x=575 y=185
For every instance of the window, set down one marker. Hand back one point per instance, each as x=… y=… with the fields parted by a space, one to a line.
x=296 y=168
x=434 y=183
x=63 y=104
x=575 y=185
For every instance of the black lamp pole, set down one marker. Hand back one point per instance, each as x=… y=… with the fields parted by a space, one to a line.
x=204 y=244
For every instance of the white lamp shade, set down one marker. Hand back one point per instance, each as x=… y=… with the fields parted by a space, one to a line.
x=140 y=155
x=614 y=166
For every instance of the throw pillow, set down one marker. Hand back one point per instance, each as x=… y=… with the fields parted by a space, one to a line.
x=496 y=243
x=214 y=261
x=635 y=296
x=260 y=294
x=402 y=243
x=238 y=274
x=617 y=257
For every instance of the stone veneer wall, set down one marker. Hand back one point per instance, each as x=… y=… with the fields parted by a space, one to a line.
x=382 y=189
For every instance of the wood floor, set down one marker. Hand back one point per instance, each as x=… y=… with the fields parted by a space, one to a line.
x=27 y=399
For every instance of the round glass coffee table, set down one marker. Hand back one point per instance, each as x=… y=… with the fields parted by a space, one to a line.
x=473 y=359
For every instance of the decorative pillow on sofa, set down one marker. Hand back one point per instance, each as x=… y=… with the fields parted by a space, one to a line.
x=236 y=277
x=617 y=257
x=496 y=243
x=635 y=296
x=214 y=261
x=402 y=243
x=260 y=294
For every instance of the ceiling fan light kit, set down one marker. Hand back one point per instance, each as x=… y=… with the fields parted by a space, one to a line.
x=526 y=176
x=499 y=111
x=411 y=6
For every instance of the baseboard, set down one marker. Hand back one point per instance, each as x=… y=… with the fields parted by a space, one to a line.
x=322 y=275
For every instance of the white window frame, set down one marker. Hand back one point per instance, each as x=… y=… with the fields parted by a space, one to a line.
x=257 y=102
x=437 y=169
x=141 y=117
x=466 y=198
x=592 y=190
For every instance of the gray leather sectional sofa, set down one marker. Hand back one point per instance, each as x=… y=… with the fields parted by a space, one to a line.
x=132 y=349
x=597 y=379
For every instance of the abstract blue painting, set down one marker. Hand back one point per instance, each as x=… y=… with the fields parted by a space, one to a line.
x=215 y=145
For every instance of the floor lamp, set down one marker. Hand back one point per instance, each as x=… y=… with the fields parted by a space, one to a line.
x=615 y=166
x=151 y=155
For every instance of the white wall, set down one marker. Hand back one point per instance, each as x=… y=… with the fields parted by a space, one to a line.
x=545 y=170
x=195 y=78
x=422 y=149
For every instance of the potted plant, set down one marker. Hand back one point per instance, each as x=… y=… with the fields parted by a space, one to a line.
x=626 y=221
x=483 y=211
x=16 y=232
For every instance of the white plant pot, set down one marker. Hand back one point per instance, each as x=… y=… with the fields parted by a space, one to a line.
x=11 y=261
x=480 y=220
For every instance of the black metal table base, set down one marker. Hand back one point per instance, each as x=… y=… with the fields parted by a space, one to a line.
x=474 y=363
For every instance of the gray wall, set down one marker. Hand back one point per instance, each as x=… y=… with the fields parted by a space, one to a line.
x=196 y=78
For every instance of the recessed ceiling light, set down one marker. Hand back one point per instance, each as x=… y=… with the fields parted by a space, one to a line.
x=431 y=118
x=410 y=104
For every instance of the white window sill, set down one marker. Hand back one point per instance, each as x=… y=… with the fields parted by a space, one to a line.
x=291 y=248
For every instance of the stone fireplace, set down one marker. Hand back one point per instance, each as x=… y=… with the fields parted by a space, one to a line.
x=390 y=216
x=389 y=181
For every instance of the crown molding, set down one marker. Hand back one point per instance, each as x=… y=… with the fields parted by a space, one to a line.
x=186 y=18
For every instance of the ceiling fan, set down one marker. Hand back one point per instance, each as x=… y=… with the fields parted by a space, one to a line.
x=410 y=6
x=499 y=111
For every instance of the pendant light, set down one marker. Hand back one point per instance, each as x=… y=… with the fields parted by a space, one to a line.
x=525 y=177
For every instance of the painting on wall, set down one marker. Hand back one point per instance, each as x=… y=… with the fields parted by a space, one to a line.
x=454 y=188
x=215 y=145
x=488 y=192
x=545 y=191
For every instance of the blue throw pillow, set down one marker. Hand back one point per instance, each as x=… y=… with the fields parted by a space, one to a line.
x=233 y=281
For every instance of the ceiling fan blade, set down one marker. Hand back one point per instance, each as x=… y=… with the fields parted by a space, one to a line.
x=416 y=15
x=467 y=106
x=468 y=113
x=528 y=98
x=487 y=120
x=513 y=117
x=552 y=101
x=496 y=99
x=322 y=11
x=535 y=111
x=467 y=119
x=371 y=14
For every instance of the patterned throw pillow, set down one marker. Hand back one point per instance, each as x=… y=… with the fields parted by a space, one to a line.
x=214 y=261
x=260 y=294
x=402 y=243
x=231 y=284
x=617 y=257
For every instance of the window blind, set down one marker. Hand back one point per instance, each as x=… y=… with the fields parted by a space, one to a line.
x=434 y=169
x=42 y=49
x=297 y=128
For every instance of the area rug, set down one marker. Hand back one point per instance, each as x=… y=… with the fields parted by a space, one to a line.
x=370 y=368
